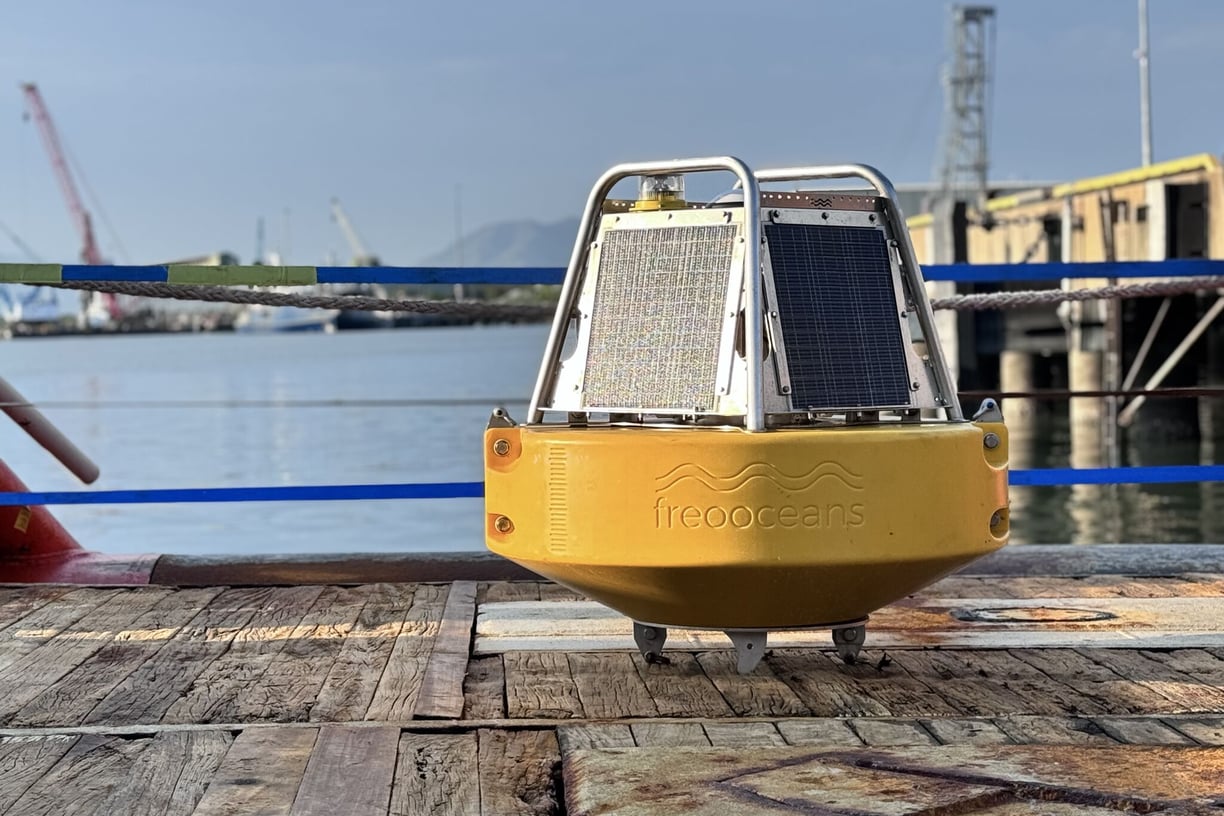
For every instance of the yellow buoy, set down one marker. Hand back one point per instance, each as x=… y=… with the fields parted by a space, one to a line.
x=713 y=449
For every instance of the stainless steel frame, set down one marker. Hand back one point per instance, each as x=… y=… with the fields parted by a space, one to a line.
x=926 y=317
x=753 y=304
x=755 y=417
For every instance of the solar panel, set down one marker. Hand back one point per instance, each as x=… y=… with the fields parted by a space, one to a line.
x=838 y=314
x=656 y=323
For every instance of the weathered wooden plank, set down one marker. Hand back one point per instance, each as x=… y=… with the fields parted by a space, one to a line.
x=669 y=734
x=505 y=591
x=484 y=689
x=24 y=760
x=1203 y=665
x=539 y=684
x=21 y=601
x=93 y=767
x=170 y=775
x=680 y=688
x=896 y=689
x=441 y=695
x=44 y=621
x=397 y=689
x=892 y=732
x=1141 y=731
x=437 y=773
x=73 y=696
x=517 y=769
x=759 y=694
x=350 y=683
x=146 y=694
x=742 y=734
x=1110 y=691
x=1203 y=730
x=965 y=688
x=213 y=695
x=289 y=685
x=609 y=686
x=30 y=675
x=960 y=731
x=555 y=592
x=1186 y=692
x=260 y=773
x=602 y=735
x=970 y=586
x=350 y=771
x=821 y=687
x=818 y=731
x=1054 y=730
x=1041 y=693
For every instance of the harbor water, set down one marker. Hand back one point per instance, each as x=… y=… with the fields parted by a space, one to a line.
x=392 y=406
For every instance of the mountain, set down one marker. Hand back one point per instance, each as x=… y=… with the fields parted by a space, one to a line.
x=512 y=243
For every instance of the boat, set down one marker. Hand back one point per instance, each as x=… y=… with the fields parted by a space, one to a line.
x=264 y=319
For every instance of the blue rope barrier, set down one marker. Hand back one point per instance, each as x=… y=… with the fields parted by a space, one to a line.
x=518 y=276
x=1168 y=474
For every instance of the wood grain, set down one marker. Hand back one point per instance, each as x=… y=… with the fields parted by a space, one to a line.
x=743 y=734
x=539 y=684
x=350 y=683
x=170 y=775
x=290 y=684
x=517 y=769
x=601 y=735
x=397 y=689
x=260 y=773
x=70 y=699
x=213 y=695
x=24 y=760
x=441 y=694
x=609 y=686
x=484 y=689
x=159 y=682
x=350 y=771
x=680 y=688
x=437 y=774
x=85 y=775
x=759 y=694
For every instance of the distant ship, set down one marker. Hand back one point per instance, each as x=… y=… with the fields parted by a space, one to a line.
x=261 y=318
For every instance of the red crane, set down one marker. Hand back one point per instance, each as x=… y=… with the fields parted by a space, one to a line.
x=84 y=226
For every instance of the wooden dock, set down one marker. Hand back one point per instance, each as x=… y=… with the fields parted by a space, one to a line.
x=984 y=694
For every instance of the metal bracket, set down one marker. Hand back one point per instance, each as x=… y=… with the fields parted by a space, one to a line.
x=989 y=411
x=500 y=419
x=849 y=641
x=650 y=640
x=749 y=647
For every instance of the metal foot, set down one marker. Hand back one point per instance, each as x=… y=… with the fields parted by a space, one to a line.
x=650 y=640
x=749 y=648
x=849 y=642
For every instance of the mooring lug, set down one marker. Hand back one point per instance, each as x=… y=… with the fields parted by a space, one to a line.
x=650 y=640
x=749 y=648
x=849 y=641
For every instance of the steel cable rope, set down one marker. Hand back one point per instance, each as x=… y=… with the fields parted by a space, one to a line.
x=492 y=311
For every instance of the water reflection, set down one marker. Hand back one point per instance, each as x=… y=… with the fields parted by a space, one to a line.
x=1108 y=514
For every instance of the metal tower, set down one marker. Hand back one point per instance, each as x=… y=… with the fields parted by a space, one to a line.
x=964 y=154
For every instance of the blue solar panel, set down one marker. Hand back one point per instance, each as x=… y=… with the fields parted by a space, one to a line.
x=838 y=312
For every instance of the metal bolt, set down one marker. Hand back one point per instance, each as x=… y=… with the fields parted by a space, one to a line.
x=786 y=389
x=915 y=385
x=871 y=218
x=991 y=440
x=995 y=519
x=503 y=524
x=904 y=313
x=650 y=633
x=825 y=216
x=501 y=447
x=773 y=314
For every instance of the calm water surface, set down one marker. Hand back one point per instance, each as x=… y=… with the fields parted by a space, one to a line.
x=218 y=445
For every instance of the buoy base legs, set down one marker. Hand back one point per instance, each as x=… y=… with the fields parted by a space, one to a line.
x=749 y=648
x=750 y=644
x=849 y=641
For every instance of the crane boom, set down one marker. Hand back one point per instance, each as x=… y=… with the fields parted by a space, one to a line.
x=46 y=128
x=360 y=256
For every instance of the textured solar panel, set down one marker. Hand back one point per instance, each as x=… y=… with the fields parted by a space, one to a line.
x=657 y=318
x=838 y=313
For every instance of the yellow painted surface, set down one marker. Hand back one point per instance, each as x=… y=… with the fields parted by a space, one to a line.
x=720 y=528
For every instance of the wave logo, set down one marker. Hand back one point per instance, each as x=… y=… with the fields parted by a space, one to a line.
x=721 y=511
x=760 y=470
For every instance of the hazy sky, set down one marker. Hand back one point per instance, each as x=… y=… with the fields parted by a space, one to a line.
x=191 y=120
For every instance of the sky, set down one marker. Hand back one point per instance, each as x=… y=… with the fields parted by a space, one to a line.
x=191 y=121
